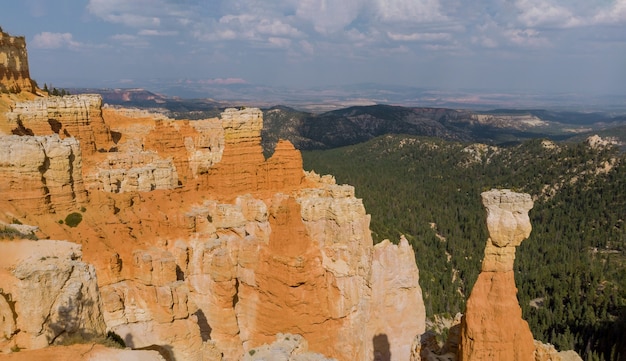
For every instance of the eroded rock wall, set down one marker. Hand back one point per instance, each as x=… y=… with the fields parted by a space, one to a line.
x=77 y=116
x=224 y=249
x=41 y=174
x=14 y=72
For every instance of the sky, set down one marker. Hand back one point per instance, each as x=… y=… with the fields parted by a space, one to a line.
x=540 y=46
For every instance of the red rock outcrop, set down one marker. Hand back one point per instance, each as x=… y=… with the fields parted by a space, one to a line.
x=492 y=327
x=243 y=168
x=14 y=73
x=206 y=249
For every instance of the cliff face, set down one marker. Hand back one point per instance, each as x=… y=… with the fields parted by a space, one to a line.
x=492 y=327
x=41 y=174
x=14 y=73
x=76 y=116
x=201 y=245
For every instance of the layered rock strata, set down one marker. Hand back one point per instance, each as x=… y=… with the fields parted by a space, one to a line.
x=41 y=174
x=205 y=249
x=255 y=268
x=492 y=327
x=77 y=116
x=47 y=294
x=135 y=172
x=14 y=72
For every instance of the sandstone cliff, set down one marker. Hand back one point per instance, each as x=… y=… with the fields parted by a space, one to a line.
x=41 y=174
x=77 y=116
x=492 y=327
x=204 y=249
x=14 y=73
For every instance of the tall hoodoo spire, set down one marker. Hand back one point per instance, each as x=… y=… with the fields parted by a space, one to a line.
x=492 y=327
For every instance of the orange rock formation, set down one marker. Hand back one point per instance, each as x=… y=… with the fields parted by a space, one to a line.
x=492 y=327
x=202 y=246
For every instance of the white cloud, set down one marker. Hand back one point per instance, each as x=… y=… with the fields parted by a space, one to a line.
x=152 y=32
x=360 y=28
x=130 y=40
x=419 y=36
x=537 y=13
x=277 y=28
x=329 y=16
x=260 y=30
x=616 y=13
x=129 y=13
x=47 y=40
x=409 y=10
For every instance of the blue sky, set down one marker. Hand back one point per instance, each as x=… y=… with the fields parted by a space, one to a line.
x=506 y=45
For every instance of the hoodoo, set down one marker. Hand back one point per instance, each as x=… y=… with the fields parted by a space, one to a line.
x=492 y=327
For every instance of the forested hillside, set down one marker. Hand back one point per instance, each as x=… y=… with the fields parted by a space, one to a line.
x=353 y=125
x=571 y=272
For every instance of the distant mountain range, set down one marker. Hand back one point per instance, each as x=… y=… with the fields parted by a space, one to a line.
x=360 y=123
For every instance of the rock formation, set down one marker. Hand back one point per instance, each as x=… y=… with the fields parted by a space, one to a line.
x=134 y=172
x=14 y=73
x=492 y=327
x=41 y=174
x=547 y=352
x=77 y=116
x=394 y=279
x=47 y=294
x=204 y=249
